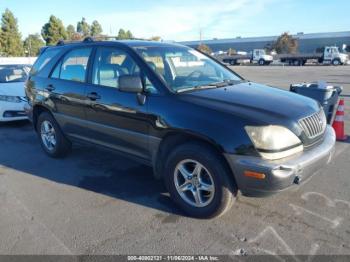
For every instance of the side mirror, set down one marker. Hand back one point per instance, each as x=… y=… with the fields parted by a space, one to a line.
x=130 y=84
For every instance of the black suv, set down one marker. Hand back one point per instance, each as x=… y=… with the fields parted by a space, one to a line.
x=204 y=129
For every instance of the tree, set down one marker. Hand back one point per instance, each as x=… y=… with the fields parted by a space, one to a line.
x=70 y=32
x=32 y=45
x=96 y=29
x=1 y=51
x=10 y=37
x=53 y=31
x=204 y=48
x=286 y=44
x=129 y=35
x=83 y=27
x=73 y=35
x=122 y=34
x=156 y=38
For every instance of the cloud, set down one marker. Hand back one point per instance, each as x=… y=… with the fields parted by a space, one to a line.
x=184 y=21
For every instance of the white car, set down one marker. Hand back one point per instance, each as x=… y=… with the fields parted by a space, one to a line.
x=12 y=95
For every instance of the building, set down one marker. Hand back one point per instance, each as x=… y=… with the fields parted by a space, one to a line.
x=308 y=43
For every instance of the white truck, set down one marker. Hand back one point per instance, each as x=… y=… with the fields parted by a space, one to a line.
x=258 y=56
x=330 y=55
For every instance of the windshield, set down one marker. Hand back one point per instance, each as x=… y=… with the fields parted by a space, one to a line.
x=184 y=68
x=13 y=73
x=335 y=50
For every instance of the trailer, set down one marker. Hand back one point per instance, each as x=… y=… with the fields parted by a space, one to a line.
x=330 y=55
x=258 y=56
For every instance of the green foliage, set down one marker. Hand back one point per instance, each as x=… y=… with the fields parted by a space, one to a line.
x=286 y=44
x=32 y=45
x=70 y=32
x=129 y=34
x=96 y=28
x=122 y=34
x=53 y=31
x=83 y=27
x=204 y=48
x=10 y=37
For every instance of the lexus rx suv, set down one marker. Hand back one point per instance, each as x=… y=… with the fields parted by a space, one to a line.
x=206 y=131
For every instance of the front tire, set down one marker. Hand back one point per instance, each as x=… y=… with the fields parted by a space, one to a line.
x=336 y=62
x=233 y=63
x=297 y=63
x=51 y=137
x=199 y=181
x=261 y=62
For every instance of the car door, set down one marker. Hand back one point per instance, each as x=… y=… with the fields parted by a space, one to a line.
x=67 y=86
x=256 y=55
x=328 y=54
x=116 y=119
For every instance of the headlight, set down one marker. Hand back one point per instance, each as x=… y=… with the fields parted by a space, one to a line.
x=11 y=99
x=274 y=142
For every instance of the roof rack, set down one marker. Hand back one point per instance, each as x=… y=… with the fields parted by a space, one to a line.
x=90 y=39
x=86 y=40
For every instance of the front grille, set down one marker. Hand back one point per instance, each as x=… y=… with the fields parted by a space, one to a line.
x=314 y=125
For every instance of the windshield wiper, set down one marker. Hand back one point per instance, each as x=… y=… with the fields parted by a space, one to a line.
x=195 y=88
x=227 y=82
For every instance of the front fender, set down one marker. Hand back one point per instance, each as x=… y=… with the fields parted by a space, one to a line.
x=224 y=130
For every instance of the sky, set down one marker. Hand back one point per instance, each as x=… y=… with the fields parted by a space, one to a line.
x=182 y=20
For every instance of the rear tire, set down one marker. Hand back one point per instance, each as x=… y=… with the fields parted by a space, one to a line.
x=203 y=188
x=52 y=140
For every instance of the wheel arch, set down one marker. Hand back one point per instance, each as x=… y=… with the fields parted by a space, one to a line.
x=37 y=110
x=336 y=59
x=176 y=138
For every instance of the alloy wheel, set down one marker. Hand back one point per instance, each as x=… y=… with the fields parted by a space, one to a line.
x=194 y=183
x=48 y=135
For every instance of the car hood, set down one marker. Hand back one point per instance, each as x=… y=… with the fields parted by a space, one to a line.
x=264 y=104
x=344 y=56
x=12 y=89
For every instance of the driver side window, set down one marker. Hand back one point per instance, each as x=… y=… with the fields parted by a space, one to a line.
x=111 y=63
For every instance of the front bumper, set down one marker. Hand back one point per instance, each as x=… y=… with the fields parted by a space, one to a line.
x=28 y=109
x=283 y=173
x=12 y=111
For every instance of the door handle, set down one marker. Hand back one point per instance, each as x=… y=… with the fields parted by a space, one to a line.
x=50 y=88
x=93 y=96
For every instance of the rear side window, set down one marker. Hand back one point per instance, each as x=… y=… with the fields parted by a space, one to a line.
x=73 y=67
x=43 y=59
